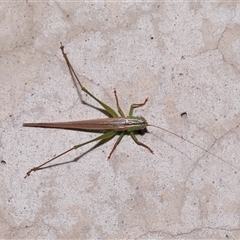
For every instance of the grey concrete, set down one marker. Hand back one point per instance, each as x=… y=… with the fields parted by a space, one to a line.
x=184 y=57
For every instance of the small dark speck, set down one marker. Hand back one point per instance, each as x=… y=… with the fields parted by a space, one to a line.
x=226 y=236
x=3 y=162
x=184 y=114
x=151 y=37
x=180 y=74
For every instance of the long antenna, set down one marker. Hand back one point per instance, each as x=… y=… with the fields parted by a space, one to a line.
x=194 y=144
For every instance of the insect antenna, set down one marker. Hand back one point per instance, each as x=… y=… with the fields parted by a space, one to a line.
x=192 y=143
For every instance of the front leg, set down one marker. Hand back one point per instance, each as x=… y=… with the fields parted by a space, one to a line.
x=136 y=105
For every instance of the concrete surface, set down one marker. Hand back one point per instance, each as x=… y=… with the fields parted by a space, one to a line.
x=184 y=57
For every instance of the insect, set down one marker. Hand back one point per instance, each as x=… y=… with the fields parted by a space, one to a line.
x=116 y=124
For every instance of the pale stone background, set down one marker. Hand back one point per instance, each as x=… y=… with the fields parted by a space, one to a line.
x=184 y=57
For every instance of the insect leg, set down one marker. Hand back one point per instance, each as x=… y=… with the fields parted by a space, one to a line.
x=140 y=143
x=116 y=143
x=75 y=78
x=118 y=107
x=104 y=136
x=136 y=105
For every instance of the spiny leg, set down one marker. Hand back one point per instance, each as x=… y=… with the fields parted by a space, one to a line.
x=104 y=136
x=136 y=105
x=75 y=77
x=140 y=143
x=70 y=66
x=41 y=165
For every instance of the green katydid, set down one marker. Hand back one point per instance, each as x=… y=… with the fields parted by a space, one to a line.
x=114 y=125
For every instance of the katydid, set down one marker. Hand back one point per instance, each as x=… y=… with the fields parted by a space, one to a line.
x=116 y=124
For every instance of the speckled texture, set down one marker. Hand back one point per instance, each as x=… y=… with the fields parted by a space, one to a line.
x=184 y=57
